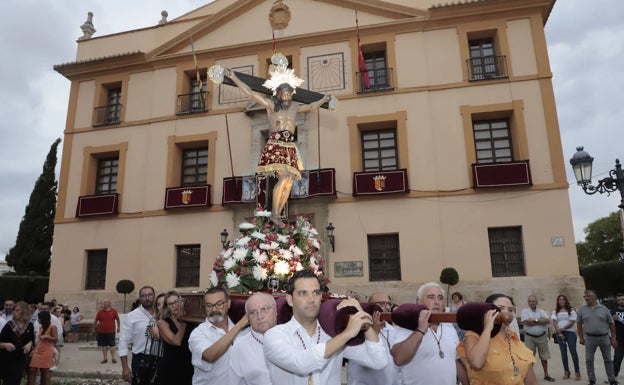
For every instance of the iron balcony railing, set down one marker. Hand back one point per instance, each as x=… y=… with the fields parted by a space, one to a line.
x=487 y=67
x=192 y=103
x=375 y=80
x=106 y=115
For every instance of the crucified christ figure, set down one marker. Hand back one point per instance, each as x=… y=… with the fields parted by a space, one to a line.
x=280 y=156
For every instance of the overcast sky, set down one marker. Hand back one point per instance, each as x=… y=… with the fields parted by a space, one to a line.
x=585 y=41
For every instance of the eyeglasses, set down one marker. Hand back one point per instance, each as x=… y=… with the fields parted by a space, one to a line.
x=218 y=305
x=147 y=295
x=382 y=303
x=262 y=311
x=174 y=303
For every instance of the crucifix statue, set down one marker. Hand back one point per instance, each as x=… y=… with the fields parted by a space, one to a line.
x=280 y=156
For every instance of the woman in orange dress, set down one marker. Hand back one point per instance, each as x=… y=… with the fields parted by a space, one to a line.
x=43 y=355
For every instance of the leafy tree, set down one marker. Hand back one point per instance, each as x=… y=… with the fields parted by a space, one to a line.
x=33 y=246
x=603 y=241
x=124 y=287
x=450 y=277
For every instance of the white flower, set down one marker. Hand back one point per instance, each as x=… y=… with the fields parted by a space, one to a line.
x=269 y=246
x=263 y=213
x=299 y=266
x=316 y=244
x=258 y=235
x=286 y=254
x=313 y=262
x=259 y=256
x=243 y=241
x=259 y=273
x=240 y=253
x=229 y=263
x=296 y=250
x=232 y=280
x=214 y=280
x=281 y=268
x=282 y=238
x=227 y=253
x=246 y=226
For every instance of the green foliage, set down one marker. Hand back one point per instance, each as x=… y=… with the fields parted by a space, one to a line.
x=450 y=277
x=603 y=241
x=607 y=278
x=124 y=287
x=29 y=288
x=33 y=246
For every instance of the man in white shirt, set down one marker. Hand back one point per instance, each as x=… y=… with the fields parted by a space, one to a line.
x=210 y=342
x=300 y=352
x=54 y=320
x=262 y=313
x=427 y=355
x=536 y=323
x=134 y=331
x=7 y=313
x=361 y=375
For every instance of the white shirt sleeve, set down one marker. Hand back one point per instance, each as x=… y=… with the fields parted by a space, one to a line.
x=284 y=351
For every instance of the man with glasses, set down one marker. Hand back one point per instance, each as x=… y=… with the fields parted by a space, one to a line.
x=210 y=342
x=358 y=374
x=134 y=331
x=262 y=313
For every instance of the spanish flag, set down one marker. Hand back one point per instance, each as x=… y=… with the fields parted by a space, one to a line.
x=361 y=62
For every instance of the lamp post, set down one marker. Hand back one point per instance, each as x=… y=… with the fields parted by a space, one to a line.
x=224 y=236
x=330 y=235
x=582 y=165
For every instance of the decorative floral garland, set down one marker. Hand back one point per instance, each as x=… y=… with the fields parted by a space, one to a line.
x=266 y=252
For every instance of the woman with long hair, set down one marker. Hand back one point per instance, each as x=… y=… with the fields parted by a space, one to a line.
x=563 y=319
x=17 y=338
x=175 y=366
x=496 y=355
x=43 y=355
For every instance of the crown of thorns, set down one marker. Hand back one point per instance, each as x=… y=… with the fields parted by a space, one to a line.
x=280 y=74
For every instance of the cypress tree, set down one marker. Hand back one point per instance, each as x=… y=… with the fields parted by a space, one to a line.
x=33 y=246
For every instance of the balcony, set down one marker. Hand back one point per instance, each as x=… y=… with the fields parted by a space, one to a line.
x=380 y=182
x=107 y=115
x=192 y=103
x=244 y=189
x=487 y=68
x=187 y=196
x=510 y=174
x=92 y=205
x=379 y=80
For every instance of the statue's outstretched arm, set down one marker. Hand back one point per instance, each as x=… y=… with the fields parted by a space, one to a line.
x=317 y=104
x=216 y=73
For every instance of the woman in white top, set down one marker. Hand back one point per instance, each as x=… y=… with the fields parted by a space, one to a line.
x=564 y=318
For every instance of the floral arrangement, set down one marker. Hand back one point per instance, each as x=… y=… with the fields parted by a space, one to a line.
x=267 y=254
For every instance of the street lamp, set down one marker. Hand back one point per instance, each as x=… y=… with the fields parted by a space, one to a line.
x=582 y=165
x=224 y=236
x=330 y=234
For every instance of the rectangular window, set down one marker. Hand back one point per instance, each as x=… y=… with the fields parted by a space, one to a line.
x=384 y=262
x=187 y=266
x=379 y=150
x=483 y=62
x=194 y=166
x=113 y=106
x=377 y=69
x=106 y=180
x=506 y=251
x=197 y=96
x=492 y=141
x=96 y=269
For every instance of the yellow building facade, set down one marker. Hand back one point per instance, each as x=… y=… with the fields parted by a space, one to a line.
x=444 y=152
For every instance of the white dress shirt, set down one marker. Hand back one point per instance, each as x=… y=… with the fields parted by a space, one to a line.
x=361 y=375
x=292 y=355
x=203 y=337
x=427 y=368
x=247 y=364
x=134 y=331
x=2 y=323
x=530 y=314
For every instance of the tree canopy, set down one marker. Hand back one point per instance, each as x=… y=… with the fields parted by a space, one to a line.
x=33 y=246
x=603 y=241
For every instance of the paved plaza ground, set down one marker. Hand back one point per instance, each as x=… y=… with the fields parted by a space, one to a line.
x=82 y=360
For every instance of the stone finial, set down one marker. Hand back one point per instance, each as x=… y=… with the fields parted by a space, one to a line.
x=87 y=28
x=164 y=15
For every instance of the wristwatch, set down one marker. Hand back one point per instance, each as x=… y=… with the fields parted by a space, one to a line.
x=537 y=320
